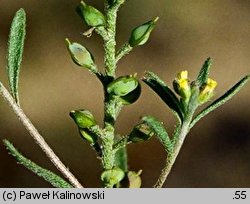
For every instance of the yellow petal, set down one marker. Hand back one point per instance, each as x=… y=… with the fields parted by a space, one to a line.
x=211 y=83
x=182 y=75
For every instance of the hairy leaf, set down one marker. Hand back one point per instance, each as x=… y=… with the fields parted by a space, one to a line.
x=165 y=93
x=160 y=132
x=204 y=72
x=220 y=101
x=15 y=51
x=47 y=175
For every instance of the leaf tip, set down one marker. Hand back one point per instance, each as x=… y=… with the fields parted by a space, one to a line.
x=156 y=19
x=67 y=41
x=6 y=142
x=21 y=14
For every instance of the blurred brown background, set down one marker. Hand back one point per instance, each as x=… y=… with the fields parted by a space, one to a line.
x=216 y=152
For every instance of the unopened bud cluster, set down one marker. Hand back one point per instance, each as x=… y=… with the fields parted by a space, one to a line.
x=183 y=88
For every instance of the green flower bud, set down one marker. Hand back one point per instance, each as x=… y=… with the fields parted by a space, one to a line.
x=140 y=133
x=112 y=177
x=134 y=179
x=132 y=96
x=83 y=118
x=90 y=15
x=141 y=34
x=87 y=135
x=80 y=55
x=122 y=85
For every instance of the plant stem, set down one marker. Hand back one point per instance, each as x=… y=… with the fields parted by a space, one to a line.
x=38 y=138
x=110 y=66
x=172 y=156
x=179 y=140
x=109 y=41
x=124 y=50
x=111 y=106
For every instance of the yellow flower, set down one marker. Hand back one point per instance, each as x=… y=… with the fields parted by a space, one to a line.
x=182 y=75
x=181 y=85
x=207 y=90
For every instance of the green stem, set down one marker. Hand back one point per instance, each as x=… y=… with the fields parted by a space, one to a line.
x=112 y=106
x=179 y=139
x=110 y=66
x=172 y=155
x=112 y=109
x=109 y=41
x=124 y=50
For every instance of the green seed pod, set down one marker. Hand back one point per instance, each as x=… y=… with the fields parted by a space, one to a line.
x=87 y=135
x=140 y=133
x=83 y=118
x=122 y=85
x=80 y=55
x=90 y=15
x=112 y=177
x=134 y=179
x=132 y=96
x=141 y=34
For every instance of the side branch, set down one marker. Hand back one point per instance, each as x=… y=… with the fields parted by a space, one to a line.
x=38 y=138
x=124 y=50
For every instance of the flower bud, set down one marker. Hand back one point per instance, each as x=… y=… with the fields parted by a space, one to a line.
x=207 y=91
x=112 y=177
x=90 y=15
x=87 y=135
x=80 y=55
x=134 y=179
x=141 y=34
x=83 y=118
x=140 y=133
x=122 y=85
x=181 y=85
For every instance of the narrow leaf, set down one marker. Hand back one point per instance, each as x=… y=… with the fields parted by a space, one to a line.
x=47 y=175
x=204 y=72
x=15 y=51
x=165 y=93
x=160 y=132
x=220 y=101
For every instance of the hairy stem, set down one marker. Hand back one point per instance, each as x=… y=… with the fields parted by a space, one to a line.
x=124 y=50
x=112 y=106
x=110 y=66
x=109 y=41
x=179 y=138
x=38 y=138
x=172 y=156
